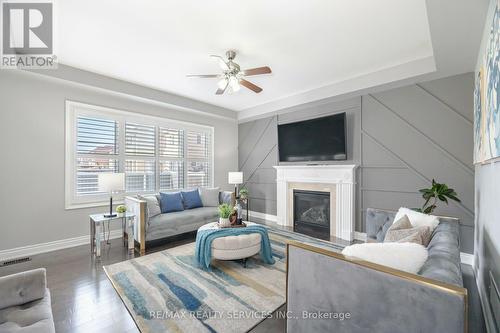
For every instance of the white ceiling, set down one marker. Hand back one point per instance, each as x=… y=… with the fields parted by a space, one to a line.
x=316 y=48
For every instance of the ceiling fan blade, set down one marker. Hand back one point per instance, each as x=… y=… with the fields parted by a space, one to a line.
x=221 y=91
x=204 y=76
x=250 y=86
x=222 y=63
x=257 y=71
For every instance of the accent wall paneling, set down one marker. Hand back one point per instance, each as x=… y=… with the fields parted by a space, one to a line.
x=400 y=138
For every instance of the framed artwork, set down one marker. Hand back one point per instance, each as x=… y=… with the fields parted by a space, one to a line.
x=487 y=100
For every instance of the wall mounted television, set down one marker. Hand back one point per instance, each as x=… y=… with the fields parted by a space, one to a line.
x=314 y=140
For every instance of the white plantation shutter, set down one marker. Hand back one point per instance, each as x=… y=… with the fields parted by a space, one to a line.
x=199 y=151
x=171 y=175
x=140 y=139
x=140 y=176
x=96 y=140
x=171 y=150
x=156 y=154
x=96 y=136
x=140 y=143
x=171 y=143
x=87 y=171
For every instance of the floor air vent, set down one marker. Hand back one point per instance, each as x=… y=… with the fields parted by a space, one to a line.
x=15 y=261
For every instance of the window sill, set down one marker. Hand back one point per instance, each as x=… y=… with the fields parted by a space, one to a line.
x=92 y=204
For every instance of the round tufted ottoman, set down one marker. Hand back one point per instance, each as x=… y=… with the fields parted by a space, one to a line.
x=234 y=247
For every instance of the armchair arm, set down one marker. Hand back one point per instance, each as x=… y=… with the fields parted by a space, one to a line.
x=139 y=208
x=21 y=288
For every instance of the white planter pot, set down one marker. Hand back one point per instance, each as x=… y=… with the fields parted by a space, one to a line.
x=120 y=214
x=224 y=222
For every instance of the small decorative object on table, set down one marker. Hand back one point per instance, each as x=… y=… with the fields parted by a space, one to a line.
x=121 y=210
x=225 y=211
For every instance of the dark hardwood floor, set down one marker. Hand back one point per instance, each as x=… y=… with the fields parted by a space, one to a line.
x=83 y=299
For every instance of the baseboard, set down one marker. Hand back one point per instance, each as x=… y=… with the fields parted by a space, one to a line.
x=467 y=258
x=267 y=217
x=31 y=250
x=360 y=236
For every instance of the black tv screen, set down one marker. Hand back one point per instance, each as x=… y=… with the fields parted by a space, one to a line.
x=319 y=139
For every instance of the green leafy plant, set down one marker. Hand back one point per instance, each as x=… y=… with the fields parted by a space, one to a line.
x=225 y=210
x=436 y=192
x=243 y=193
x=121 y=209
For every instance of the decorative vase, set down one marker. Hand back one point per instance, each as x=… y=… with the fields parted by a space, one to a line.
x=224 y=222
x=120 y=214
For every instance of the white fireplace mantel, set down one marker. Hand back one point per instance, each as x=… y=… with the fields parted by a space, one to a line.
x=343 y=176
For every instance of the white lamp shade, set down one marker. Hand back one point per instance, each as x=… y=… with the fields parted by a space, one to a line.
x=111 y=182
x=235 y=178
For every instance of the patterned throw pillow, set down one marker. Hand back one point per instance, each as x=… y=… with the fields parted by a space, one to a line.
x=402 y=231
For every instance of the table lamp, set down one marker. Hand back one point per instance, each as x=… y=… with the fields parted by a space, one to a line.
x=235 y=178
x=111 y=183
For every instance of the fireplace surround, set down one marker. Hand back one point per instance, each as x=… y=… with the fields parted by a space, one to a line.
x=336 y=179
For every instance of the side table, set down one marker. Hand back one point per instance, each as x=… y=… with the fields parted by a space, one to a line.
x=96 y=230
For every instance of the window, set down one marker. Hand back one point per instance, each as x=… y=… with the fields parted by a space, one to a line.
x=156 y=154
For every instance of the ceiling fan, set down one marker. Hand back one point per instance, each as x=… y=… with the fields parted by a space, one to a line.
x=232 y=77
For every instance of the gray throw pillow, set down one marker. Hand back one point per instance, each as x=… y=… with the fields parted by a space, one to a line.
x=152 y=204
x=402 y=231
x=209 y=196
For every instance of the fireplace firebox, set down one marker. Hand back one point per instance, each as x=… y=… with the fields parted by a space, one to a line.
x=311 y=213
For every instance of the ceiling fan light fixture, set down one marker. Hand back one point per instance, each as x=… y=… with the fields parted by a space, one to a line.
x=234 y=83
x=222 y=83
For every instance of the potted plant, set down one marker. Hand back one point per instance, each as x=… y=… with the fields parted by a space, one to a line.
x=120 y=210
x=436 y=192
x=225 y=210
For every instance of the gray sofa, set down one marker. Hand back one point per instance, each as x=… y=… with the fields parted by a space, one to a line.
x=25 y=303
x=148 y=230
x=378 y=298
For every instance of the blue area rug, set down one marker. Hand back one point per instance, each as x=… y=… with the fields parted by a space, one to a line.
x=167 y=292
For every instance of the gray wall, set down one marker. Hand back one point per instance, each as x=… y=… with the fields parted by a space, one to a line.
x=487 y=234
x=32 y=116
x=401 y=139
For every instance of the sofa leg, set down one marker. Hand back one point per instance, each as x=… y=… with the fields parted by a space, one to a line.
x=245 y=262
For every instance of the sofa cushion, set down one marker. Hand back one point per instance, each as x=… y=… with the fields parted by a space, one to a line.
x=171 y=224
x=191 y=199
x=152 y=205
x=32 y=317
x=443 y=263
x=23 y=287
x=171 y=202
x=209 y=196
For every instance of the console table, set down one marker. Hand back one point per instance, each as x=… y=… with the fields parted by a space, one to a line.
x=96 y=230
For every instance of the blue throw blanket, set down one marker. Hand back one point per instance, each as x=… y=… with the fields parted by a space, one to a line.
x=204 y=239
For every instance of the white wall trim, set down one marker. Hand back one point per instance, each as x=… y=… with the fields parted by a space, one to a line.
x=31 y=250
x=360 y=236
x=267 y=217
x=467 y=258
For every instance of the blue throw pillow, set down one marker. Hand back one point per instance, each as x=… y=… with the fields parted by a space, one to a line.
x=171 y=202
x=192 y=199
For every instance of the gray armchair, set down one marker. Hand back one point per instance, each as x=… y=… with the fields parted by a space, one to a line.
x=25 y=304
